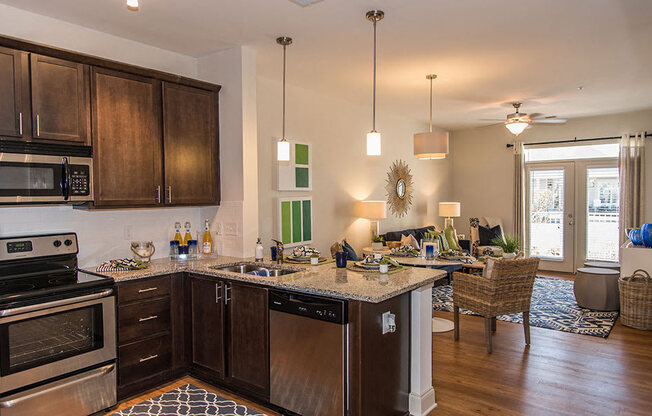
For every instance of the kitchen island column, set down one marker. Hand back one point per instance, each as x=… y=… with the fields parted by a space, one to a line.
x=422 y=394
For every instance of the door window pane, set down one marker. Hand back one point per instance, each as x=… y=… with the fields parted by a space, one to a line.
x=602 y=213
x=546 y=202
x=593 y=151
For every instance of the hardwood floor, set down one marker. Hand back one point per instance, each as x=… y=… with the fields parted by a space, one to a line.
x=559 y=374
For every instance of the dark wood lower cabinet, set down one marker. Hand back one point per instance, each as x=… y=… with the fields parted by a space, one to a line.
x=207 y=324
x=248 y=338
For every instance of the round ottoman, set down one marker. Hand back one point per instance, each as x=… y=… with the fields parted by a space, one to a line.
x=597 y=288
x=603 y=265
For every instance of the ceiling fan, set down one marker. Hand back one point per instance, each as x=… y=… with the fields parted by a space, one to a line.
x=517 y=121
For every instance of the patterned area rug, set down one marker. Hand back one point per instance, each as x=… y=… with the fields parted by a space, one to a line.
x=553 y=306
x=188 y=400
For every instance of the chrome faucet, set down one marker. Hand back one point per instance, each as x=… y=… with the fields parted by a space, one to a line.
x=279 y=251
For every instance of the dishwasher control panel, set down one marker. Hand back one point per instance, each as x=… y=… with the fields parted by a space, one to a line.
x=315 y=307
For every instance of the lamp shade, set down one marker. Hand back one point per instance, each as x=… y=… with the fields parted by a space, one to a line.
x=283 y=151
x=449 y=209
x=433 y=145
x=373 y=210
x=516 y=127
x=373 y=143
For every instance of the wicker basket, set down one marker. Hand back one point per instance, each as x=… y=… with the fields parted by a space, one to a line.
x=636 y=300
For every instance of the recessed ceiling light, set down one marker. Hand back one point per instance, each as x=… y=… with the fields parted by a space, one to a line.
x=132 y=5
x=304 y=3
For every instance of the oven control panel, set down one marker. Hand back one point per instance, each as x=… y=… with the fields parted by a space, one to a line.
x=80 y=180
x=12 y=248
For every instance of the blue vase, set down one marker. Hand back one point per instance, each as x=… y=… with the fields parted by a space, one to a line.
x=636 y=236
x=646 y=234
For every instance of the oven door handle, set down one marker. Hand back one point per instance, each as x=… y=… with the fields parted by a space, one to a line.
x=98 y=373
x=55 y=303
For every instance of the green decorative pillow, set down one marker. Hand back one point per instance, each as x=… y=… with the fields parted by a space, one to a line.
x=451 y=236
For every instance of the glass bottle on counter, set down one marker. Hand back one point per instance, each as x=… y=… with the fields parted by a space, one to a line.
x=207 y=241
x=177 y=232
x=187 y=237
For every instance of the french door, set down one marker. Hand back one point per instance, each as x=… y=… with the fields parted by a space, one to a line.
x=550 y=214
x=572 y=212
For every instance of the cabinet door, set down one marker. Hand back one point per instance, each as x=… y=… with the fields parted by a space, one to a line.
x=248 y=336
x=207 y=317
x=60 y=100
x=126 y=139
x=14 y=83
x=191 y=145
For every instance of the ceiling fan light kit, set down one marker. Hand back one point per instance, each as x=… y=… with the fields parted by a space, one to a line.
x=283 y=146
x=373 y=137
x=132 y=5
x=433 y=144
x=517 y=122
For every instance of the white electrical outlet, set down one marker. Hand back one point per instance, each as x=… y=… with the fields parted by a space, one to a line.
x=389 y=322
x=231 y=229
x=219 y=229
x=128 y=232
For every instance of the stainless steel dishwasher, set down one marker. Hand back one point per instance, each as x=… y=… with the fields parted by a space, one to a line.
x=308 y=353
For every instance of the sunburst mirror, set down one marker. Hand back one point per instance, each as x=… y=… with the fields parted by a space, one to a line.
x=399 y=188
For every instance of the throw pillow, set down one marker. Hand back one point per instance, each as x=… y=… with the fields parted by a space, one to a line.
x=487 y=234
x=451 y=236
x=443 y=242
x=350 y=252
x=409 y=240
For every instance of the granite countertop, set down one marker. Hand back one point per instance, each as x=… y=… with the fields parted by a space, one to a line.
x=324 y=279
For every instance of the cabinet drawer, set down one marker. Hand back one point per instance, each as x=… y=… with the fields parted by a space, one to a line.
x=143 y=358
x=143 y=319
x=143 y=289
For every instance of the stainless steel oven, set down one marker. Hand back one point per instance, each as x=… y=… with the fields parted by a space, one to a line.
x=45 y=178
x=57 y=330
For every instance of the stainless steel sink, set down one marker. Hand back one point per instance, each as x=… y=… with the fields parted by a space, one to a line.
x=245 y=268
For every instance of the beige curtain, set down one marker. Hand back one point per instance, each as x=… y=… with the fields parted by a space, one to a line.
x=632 y=182
x=519 y=193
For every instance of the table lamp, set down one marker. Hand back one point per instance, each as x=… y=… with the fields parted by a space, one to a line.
x=372 y=210
x=449 y=210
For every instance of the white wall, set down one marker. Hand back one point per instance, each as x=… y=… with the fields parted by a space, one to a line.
x=483 y=168
x=102 y=234
x=342 y=173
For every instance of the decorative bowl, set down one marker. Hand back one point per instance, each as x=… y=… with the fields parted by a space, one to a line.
x=646 y=234
x=636 y=236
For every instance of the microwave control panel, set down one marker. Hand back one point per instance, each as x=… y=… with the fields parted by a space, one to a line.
x=80 y=179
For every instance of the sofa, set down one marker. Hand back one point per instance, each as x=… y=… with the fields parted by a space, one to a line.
x=418 y=233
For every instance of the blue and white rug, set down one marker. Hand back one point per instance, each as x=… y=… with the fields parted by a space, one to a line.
x=188 y=400
x=553 y=306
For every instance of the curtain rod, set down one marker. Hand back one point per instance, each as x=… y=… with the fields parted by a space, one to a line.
x=576 y=140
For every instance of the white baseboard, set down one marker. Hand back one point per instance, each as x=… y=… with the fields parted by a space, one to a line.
x=421 y=405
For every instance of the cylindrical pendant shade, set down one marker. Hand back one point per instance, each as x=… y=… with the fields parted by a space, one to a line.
x=283 y=151
x=373 y=143
x=449 y=209
x=431 y=145
x=373 y=210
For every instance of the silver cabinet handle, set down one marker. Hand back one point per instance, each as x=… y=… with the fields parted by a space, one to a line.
x=149 y=289
x=151 y=357
x=38 y=125
x=218 y=292
x=227 y=287
x=158 y=194
x=20 y=123
x=149 y=318
x=170 y=194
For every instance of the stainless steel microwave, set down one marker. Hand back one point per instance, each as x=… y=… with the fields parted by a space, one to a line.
x=45 y=178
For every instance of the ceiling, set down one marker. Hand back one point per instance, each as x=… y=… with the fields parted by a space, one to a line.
x=486 y=53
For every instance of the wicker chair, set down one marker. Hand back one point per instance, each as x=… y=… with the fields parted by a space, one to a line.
x=507 y=290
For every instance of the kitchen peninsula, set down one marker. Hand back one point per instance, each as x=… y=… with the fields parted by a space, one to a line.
x=196 y=317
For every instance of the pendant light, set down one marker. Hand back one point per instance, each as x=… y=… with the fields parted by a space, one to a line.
x=283 y=146
x=132 y=5
x=434 y=144
x=373 y=137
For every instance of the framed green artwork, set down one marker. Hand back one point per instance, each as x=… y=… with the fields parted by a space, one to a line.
x=296 y=175
x=295 y=221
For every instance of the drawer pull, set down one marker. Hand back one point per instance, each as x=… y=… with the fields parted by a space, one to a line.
x=149 y=318
x=151 y=357
x=149 y=289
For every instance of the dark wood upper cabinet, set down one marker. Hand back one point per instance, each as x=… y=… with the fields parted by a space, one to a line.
x=248 y=337
x=207 y=324
x=126 y=139
x=60 y=100
x=14 y=85
x=190 y=132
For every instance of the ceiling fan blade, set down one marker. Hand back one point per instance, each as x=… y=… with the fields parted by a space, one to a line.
x=549 y=121
x=536 y=115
